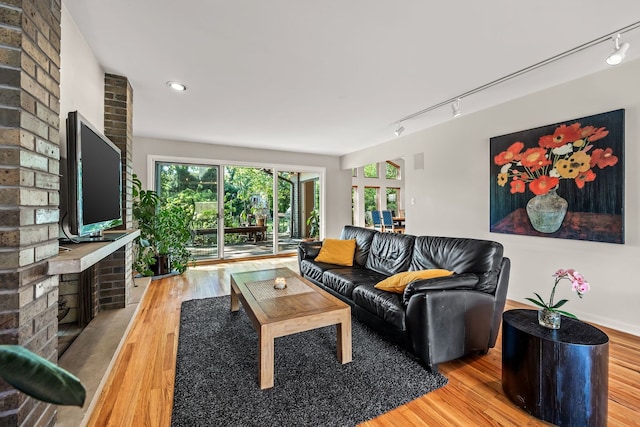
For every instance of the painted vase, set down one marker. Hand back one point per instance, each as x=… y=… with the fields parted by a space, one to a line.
x=549 y=319
x=546 y=212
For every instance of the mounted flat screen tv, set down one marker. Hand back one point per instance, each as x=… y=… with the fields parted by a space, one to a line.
x=94 y=182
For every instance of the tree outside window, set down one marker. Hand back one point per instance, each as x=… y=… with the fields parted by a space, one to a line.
x=393 y=170
x=371 y=198
x=393 y=196
x=371 y=170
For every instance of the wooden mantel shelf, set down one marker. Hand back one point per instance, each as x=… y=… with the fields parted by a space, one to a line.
x=84 y=255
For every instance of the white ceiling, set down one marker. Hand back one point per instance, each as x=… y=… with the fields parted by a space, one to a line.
x=334 y=76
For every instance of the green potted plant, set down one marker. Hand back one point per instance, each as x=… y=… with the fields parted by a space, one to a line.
x=165 y=230
x=260 y=218
x=314 y=224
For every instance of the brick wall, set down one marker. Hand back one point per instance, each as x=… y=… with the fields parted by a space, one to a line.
x=118 y=127
x=68 y=289
x=29 y=184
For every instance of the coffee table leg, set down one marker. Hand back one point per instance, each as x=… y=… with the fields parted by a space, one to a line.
x=235 y=302
x=343 y=332
x=266 y=354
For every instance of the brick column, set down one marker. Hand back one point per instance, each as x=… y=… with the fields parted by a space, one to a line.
x=118 y=127
x=115 y=274
x=29 y=186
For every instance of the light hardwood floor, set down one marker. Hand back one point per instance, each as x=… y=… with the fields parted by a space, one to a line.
x=139 y=391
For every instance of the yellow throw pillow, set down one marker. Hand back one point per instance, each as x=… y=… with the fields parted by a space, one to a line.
x=337 y=251
x=398 y=282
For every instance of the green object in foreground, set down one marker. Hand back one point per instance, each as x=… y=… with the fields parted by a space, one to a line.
x=39 y=378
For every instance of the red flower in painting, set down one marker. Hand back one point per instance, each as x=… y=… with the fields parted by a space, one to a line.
x=543 y=184
x=592 y=133
x=535 y=158
x=517 y=186
x=566 y=154
x=510 y=155
x=563 y=135
x=584 y=177
x=603 y=158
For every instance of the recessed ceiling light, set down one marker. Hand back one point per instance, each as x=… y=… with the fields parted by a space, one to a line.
x=177 y=86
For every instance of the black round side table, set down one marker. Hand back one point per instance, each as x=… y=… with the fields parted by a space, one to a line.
x=560 y=376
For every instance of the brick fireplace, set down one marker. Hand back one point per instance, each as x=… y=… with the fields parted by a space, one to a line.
x=29 y=191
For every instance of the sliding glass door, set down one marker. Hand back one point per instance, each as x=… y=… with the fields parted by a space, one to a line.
x=241 y=218
x=248 y=220
x=197 y=184
x=298 y=197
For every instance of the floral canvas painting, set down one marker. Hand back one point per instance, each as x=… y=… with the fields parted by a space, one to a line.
x=564 y=180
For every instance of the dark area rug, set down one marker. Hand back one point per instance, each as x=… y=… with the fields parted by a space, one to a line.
x=217 y=374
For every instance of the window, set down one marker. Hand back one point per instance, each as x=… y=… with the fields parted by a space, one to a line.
x=393 y=170
x=371 y=201
x=354 y=204
x=354 y=172
x=393 y=196
x=371 y=170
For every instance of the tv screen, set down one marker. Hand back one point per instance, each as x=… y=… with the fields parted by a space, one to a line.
x=94 y=181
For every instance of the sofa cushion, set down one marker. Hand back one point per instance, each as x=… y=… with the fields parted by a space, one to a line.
x=385 y=305
x=337 y=251
x=363 y=237
x=391 y=253
x=345 y=280
x=399 y=281
x=314 y=270
x=480 y=257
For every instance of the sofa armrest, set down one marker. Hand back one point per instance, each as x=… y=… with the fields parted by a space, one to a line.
x=448 y=324
x=309 y=250
x=457 y=281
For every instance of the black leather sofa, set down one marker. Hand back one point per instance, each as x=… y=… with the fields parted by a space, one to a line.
x=437 y=319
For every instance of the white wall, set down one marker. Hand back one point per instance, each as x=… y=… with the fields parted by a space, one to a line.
x=81 y=79
x=452 y=193
x=335 y=208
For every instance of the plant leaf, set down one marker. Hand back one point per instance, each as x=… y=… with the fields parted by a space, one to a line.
x=39 y=378
x=564 y=313
x=538 y=303
x=540 y=299
x=560 y=303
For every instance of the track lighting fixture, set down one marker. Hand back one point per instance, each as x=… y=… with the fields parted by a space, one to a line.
x=399 y=131
x=620 y=51
x=614 y=59
x=456 y=108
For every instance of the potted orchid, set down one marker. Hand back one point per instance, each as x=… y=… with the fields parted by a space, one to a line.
x=549 y=315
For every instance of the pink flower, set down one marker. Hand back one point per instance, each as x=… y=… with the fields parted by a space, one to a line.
x=577 y=276
x=578 y=284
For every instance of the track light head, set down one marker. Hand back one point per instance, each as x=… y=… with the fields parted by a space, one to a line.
x=617 y=56
x=456 y=108
x=399 y=131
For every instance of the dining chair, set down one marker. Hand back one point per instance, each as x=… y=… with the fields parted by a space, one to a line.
x=377 y=220
x=387 y=221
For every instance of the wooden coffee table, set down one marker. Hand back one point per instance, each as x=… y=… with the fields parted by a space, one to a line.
x=300 y=307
